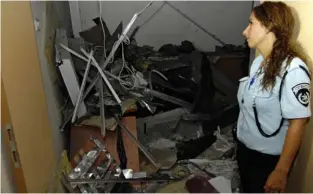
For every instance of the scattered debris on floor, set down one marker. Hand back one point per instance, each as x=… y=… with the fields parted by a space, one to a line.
x=174 y=106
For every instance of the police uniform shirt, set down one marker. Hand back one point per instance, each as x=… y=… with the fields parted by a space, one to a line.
x=294 y=103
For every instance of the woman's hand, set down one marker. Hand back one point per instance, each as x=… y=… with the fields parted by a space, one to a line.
x=276 y=182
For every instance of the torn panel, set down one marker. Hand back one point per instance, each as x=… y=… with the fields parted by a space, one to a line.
x=67 y=71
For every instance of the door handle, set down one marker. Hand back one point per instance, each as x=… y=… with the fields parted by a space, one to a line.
x=15 y=157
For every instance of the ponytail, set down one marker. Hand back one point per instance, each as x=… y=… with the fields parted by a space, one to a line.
x=274 y=62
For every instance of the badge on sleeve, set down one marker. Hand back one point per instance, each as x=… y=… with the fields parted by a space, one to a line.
x=302 y=93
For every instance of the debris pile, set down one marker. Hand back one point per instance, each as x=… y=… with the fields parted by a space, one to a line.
x=179 y=95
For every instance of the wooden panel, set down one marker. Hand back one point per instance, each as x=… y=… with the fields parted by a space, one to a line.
x=22 y=82
x=131 y=148
x=18 y=176
x=80 y=137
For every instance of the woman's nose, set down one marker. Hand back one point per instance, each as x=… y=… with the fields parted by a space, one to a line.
x=244 y=33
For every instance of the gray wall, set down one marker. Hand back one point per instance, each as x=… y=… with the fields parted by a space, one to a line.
x=225 y=19
x=51 y=15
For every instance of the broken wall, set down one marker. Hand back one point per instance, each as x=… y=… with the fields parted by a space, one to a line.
x=160 y=24
x=48 y=16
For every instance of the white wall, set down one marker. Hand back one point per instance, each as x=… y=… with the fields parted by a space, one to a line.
x=226 y=20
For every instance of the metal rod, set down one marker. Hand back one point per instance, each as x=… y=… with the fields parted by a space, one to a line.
x=86 y=59
x=168 y=98
x=65 y=182
x=109 y=58
x=66 y=120
x=195 y=23
x=102 y=113
x=115 y=47
x=73 y=52
x=116 y=180
x=95 y=63
x=106 y=72
x=140 y=146
x=140 y=12
x=82 y=87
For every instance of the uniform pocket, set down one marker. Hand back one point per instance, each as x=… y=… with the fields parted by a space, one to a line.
x=267 y=101
x=263 y=93
x=266 y=93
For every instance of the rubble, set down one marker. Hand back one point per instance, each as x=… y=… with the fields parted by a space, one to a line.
x=183 y=99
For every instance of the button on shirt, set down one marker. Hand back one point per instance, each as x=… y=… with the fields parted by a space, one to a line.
x=295 y=103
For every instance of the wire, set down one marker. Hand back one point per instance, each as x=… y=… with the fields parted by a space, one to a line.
x=137 y=14
x=150 y=79
x=157 y=11
x=125 y=40
x=195 y=23
x=65 y=104
x=100 y=17
x=149 y=4
x=124 y=65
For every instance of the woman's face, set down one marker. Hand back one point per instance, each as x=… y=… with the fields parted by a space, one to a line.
x=255 y=33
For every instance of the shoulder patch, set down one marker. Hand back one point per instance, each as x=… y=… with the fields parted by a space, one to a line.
x=302 y=93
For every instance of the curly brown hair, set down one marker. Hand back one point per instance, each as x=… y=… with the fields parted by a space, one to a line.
x=277 y=17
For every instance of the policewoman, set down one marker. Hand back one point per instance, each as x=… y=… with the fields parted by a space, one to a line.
x=274 y=101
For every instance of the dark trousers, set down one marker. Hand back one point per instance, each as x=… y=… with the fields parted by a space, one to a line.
x=254 y=168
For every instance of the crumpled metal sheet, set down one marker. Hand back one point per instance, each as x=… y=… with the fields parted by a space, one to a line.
x=87 y=161
x=87 y=170
x=128 y=173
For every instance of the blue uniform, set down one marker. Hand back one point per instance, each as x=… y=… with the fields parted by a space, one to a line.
x=294 y=103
